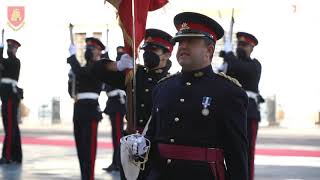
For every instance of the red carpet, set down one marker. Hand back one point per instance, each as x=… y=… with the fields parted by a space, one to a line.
x=108 y=145
x=288 y=152
x=57 y=142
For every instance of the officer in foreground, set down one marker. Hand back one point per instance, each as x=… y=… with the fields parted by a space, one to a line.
x=199 y=117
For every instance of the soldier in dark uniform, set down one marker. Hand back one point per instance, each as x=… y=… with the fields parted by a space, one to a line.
x=11 y=95
x=116 y=109
x=247 y=71
x=199 y=117
x=157 y=51
x=86 y=113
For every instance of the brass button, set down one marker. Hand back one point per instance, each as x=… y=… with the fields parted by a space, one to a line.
x=146 y=90
x=142 y=105
x=157 y=110
x=141 y=121
x=176 y=119
x=150 y=79
x=188 y=83
x=172 y=140
x=169 y=161
x=181 y=100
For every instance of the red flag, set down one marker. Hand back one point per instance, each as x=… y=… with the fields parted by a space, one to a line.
x=141 y=8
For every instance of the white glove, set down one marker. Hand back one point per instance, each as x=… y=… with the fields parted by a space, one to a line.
x=138 y=144
x=125 y=62
x=1 y=45
x=72 y=49
x=227 y=46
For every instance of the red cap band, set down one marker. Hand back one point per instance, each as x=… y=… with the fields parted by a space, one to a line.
x=161 y=41
x=94 y=43
x=247 y=39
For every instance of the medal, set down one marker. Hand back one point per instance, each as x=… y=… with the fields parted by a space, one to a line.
x=206 y=101
x=205 y=112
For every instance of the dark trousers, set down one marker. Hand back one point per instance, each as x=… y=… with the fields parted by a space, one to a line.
x=116 y=120
x=85 y=133
x=252 y=129
x=11 y=149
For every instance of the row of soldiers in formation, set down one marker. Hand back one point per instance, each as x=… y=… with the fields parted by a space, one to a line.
x=201 y=124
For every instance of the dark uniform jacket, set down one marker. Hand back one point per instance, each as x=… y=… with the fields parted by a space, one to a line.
x=10 y=69
x=86 y=82
x=145 y=82
x=177 y=118
x=247 y=72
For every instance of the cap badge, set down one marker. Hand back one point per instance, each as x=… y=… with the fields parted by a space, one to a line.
x=184 y=26
x=148 y=39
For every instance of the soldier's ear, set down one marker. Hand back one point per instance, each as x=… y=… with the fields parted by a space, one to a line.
x=167 y=55
x=211 y=48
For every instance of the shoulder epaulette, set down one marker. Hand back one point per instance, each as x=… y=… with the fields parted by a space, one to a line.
x=235 y=81
x=168 y=77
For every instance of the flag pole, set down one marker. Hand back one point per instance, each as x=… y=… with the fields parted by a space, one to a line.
x=131 y=87
x=134 y=63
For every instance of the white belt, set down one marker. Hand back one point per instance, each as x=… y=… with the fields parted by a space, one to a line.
x=87 y=95
x=9 y=81
x=118 y=92
x=252 y=95
x=13 y=82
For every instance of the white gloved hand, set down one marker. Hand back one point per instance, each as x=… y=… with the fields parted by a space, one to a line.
x=72 y=49
x=227 y=46
x=138 y=144
x=1 y=45
x=125 y=62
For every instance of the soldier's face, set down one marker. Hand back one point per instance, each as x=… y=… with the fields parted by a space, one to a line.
x=96 y=54
x=12 y=50
x=120 y=50
x=194 y=53
x=246 y=47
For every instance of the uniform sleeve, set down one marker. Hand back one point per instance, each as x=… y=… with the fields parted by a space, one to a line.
x=114 y=79
x=1 y=54
x=18 y=66
x=235 y=136
x=259 y=69
x=232 y=61
x=75 y=65
x=1 y=61
x=71 y=78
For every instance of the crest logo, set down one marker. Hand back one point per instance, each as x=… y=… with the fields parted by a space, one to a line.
x=16 y=16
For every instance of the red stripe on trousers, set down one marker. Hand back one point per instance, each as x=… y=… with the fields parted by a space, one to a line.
x=94 y=125
x=118 y=129
x=9 y=132
x=254 y=127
